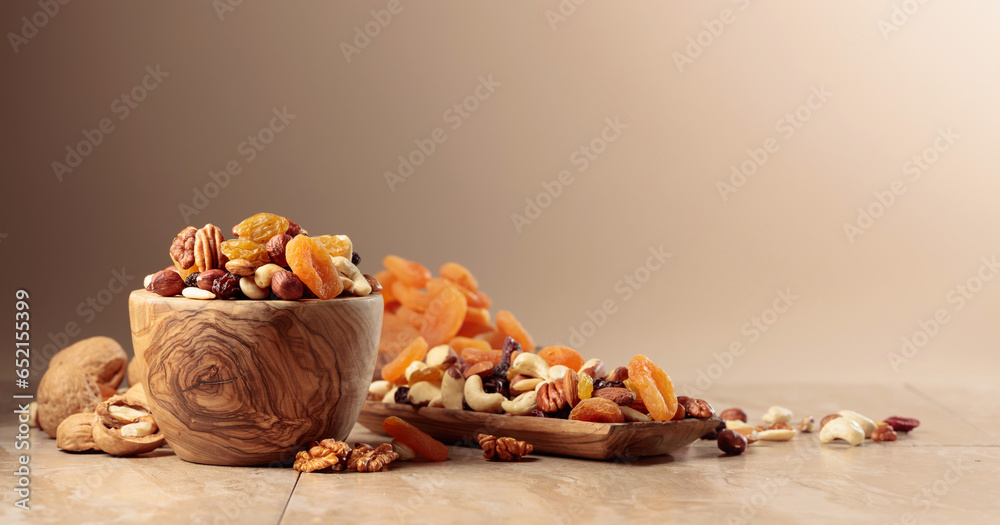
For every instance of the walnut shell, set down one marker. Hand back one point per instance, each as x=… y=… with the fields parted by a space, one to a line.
x=101 y=357
x=76 y=433
x=107 y=429
x=136 y=391
x=65 y=390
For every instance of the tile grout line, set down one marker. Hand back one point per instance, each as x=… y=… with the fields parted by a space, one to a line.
x=945 y=408
x=281 y=517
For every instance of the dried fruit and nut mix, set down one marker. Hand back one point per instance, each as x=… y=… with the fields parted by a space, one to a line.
x=271 y=256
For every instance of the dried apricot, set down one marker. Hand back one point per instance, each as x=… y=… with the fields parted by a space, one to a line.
x=314 y=266
x=412 y=273
x=494 y=338
x=474 y=298
x=336 y=245
x=480 y=316
x=410 y=297
x=416 y=351
x=244 y=249
x=386 y=278
x=396 y=334
x=597 y=410
x=562 y=355
x=510 y=327
x=260 y=228
x=415 y=438
x=473 y=329
x=475 y=355
x=444 y=315
x=459 y=343
x=459 y=275
x=410 y=316
x=653 y=386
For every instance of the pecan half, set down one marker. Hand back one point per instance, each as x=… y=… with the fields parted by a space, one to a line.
x=182 y=248
x=504 y=448
x=698 y=408
x=207 y=248
x=549 y=398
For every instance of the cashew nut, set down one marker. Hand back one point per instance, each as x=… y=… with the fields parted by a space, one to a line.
x=736 y=424
x=453 y=388
x=781 y=434
x=413 y=367
x=478 y=399
x=262 y=276
x=867 y=425
x=346 y=268
x=842 y=428
x=557 y=372
x=522 y=404
x=530 y=365
x=525 y=384
x=437 y=355
x=378 y=389
x=777 y=414
x=405 y=452
x=633 y=415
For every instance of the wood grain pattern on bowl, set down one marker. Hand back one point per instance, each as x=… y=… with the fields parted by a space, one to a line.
x=548 y=435
x=250 y=382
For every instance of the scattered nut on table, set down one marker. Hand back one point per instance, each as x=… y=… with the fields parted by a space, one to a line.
x=842 y=428
x=730 y=414
x=731 y=442
x=866 y=424
x=777 y=414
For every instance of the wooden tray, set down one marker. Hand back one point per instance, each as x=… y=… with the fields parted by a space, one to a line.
x=550 y=436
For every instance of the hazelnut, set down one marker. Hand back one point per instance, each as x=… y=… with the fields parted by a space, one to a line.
x=620 y=396
x=373 y=282
x=826 y=419
x=618 y=374
x=286 y=285
x=482 y=369
x=166 y=283
x=276 y=248
x=208 y=277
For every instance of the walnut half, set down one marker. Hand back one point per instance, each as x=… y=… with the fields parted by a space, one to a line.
x=123 y=426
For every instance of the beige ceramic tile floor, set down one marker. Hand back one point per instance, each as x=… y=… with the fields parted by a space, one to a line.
x=944 y=472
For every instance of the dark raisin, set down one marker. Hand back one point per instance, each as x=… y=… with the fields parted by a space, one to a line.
x=537 y=413
x=509 y=347
x=226 y=286
x=497 y=385
x=600 y=383
x=402 y=395
x=355 y=258
x=192 y=280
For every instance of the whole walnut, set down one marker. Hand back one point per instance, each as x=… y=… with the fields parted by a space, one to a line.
x=100 y=357
x=65 y=389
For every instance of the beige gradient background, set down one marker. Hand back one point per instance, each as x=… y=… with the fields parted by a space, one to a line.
x=654 y=186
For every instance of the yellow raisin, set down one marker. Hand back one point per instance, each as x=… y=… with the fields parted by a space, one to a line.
x=336 y=245
x=261 y=227
x=585 y=388
x=245 y=249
